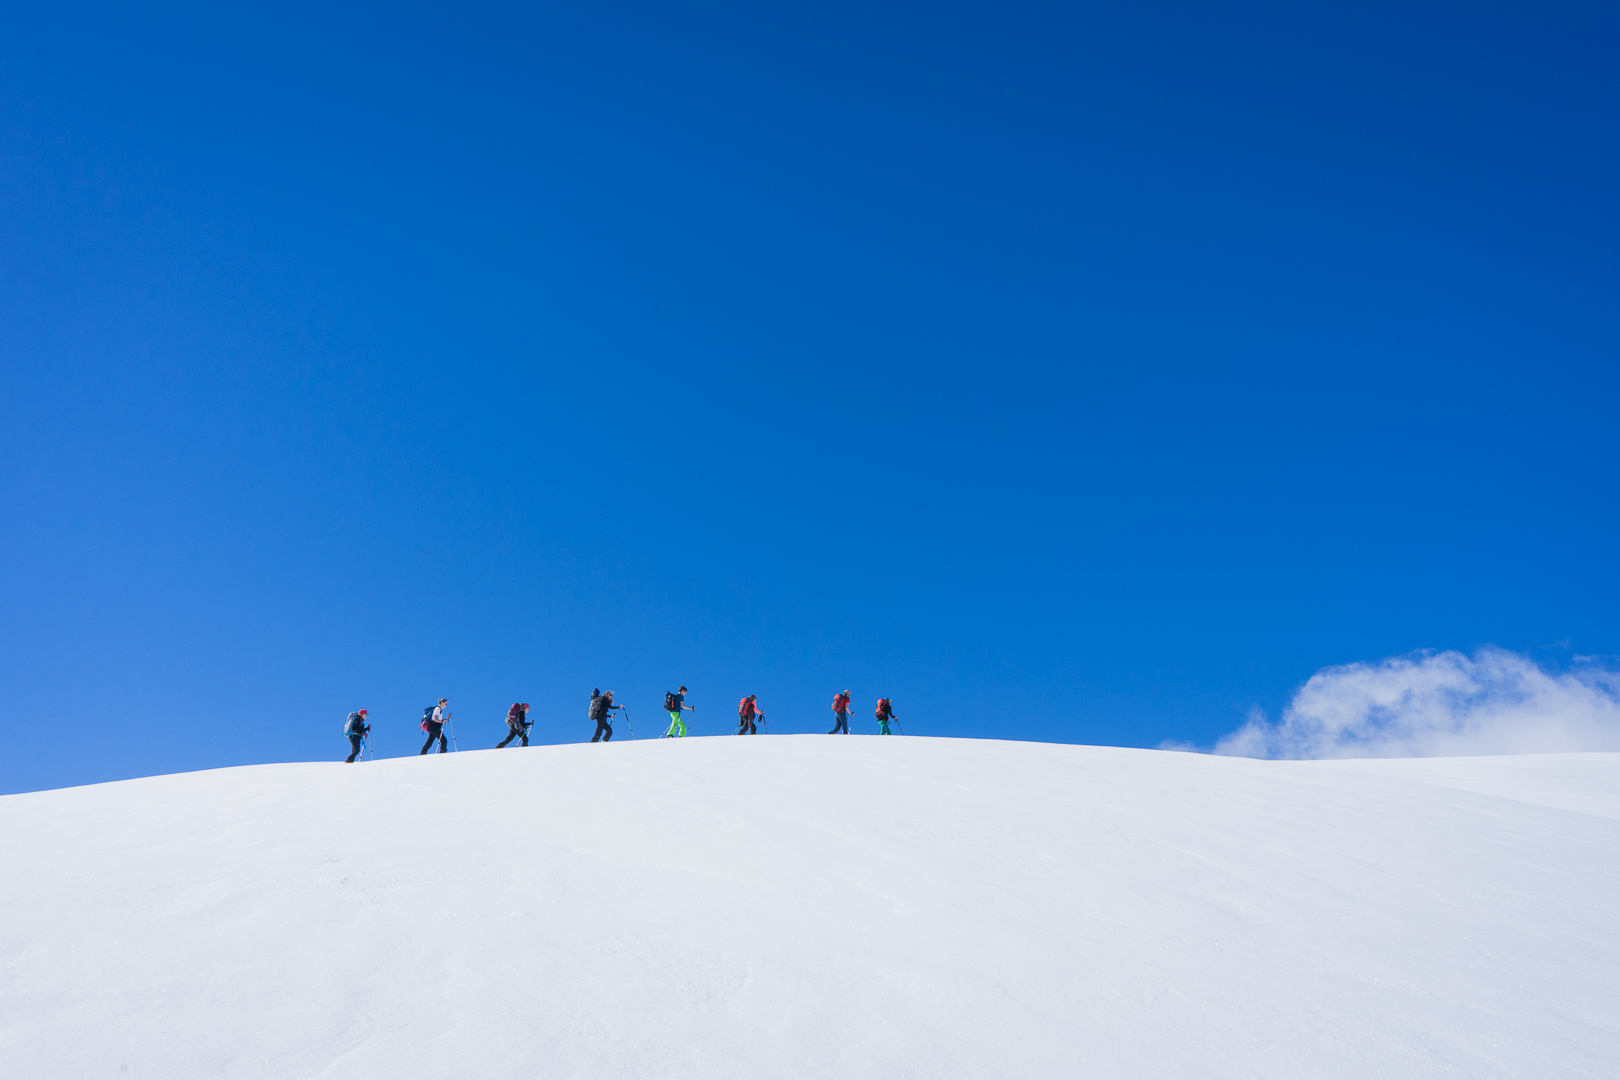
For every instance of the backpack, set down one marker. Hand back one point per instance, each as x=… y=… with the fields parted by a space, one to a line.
x=745 y=709
x=840 y=703
x=882 y=708
x=353 y=724
x=427 y=716
x=670 y=704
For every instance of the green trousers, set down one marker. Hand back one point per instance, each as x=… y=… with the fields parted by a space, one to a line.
x=677 y=724
x=883 y=727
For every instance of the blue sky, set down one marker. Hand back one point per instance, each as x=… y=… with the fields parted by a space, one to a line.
x=1071 y=372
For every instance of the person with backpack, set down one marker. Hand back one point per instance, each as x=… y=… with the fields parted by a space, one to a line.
x=602 y=711
x=517 y=722
x=840 y=708
x=748 y=714
x=885 y=713
x=674 y=704
x=434 y=717
x=356 y=729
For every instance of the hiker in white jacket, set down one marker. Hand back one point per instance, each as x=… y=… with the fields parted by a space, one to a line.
x=433 y=724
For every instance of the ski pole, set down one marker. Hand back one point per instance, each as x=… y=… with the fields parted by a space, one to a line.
x=896 y=720
x=453 y=746
x=628 y=725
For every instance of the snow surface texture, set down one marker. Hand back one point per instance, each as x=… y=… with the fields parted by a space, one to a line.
x=806 y=906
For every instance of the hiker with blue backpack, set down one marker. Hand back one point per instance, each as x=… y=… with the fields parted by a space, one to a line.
x=356 y=729
x=434 y=717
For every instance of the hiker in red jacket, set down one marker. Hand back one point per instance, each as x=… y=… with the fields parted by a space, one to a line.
x=840 y=707
x=748 y=714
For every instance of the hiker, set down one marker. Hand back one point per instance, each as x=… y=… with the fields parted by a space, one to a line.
x=675 y=704
x=433 y=720
x=516 y=720
x=601 y=711
x=748 y=714
x=840 y=708
x=356 y=729
x=885 y=713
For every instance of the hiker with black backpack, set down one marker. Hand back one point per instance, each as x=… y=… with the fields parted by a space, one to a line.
x=517 y=722
x=885 y=713
x=748 y=714
x=675 y=704
x=434 y=717
x=356 y=729
x=840 y=708
x=601 y=711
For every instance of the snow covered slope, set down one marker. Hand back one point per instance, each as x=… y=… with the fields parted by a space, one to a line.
x=809 y=906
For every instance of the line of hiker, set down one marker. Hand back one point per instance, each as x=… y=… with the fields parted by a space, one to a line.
x=436 y=721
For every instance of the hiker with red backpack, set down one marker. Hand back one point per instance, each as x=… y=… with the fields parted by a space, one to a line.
x=748 y=715
x=885 y=713
x=515 y=720
x=840 y=707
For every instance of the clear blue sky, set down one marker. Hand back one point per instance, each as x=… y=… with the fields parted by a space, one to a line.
x=1068 y=372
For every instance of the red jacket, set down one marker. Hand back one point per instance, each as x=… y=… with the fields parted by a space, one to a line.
x=841 y=703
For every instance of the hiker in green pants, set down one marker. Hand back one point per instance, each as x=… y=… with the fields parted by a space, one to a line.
x=675 y=704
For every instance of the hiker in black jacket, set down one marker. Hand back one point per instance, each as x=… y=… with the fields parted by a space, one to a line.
x=601 y=711
x=516 y=720
x=356 y=729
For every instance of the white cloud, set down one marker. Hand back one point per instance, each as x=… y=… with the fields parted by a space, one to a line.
x=1433 y=704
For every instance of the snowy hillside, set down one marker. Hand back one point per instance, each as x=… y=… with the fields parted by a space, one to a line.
x=809 y=906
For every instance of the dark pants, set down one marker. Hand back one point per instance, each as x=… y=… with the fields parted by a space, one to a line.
x=745 y=725
x=840 y=723
x=515 y=733
x=354 y=741
x=435 y=731
x=604 y=731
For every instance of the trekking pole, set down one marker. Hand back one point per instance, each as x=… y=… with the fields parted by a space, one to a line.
x=453 y=746
x=896 y=720
x=627 y=724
